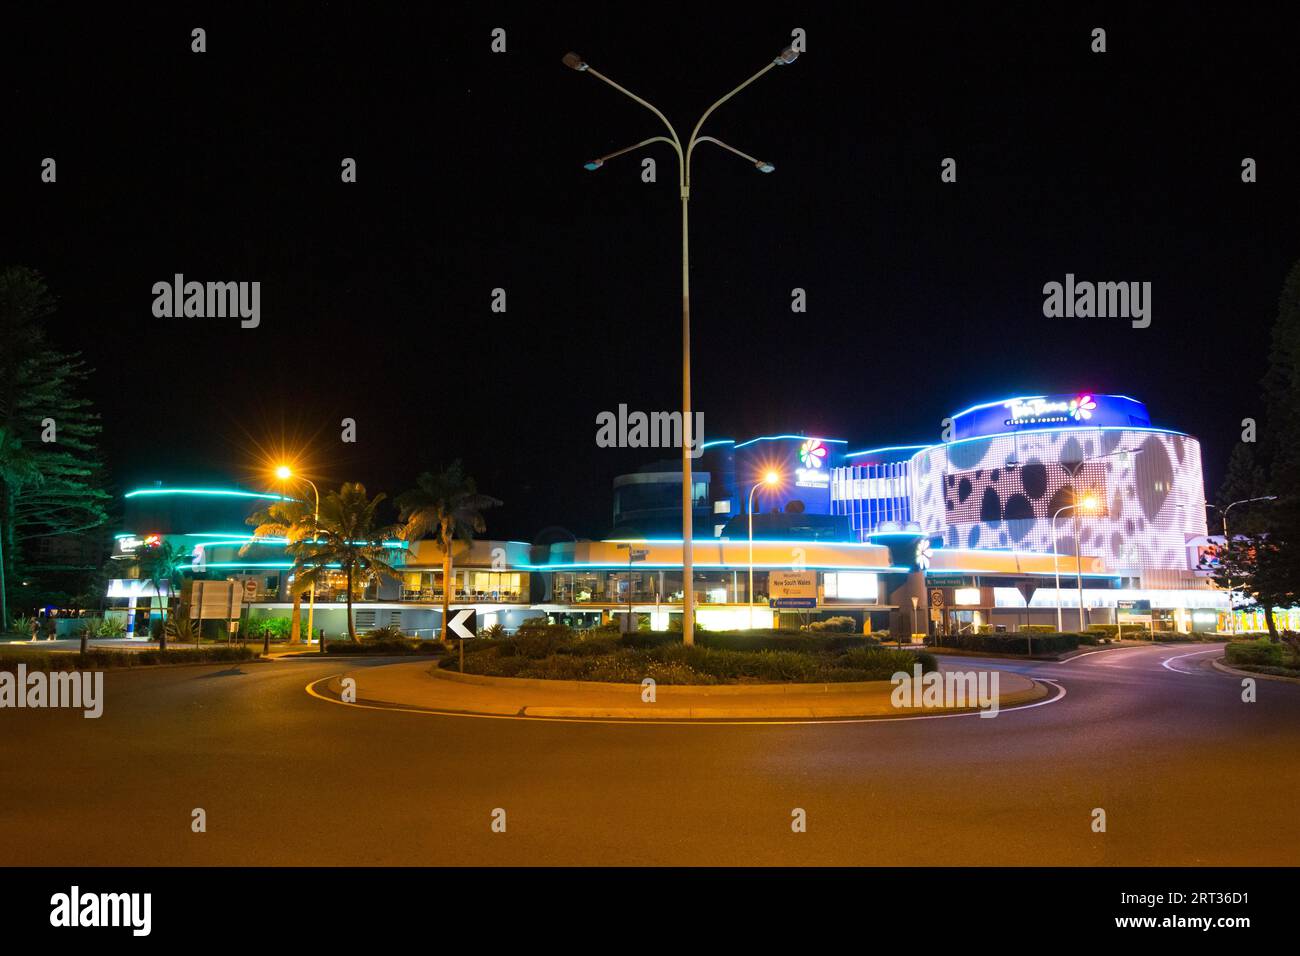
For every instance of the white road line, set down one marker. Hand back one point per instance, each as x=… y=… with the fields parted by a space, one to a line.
x=1165 y=662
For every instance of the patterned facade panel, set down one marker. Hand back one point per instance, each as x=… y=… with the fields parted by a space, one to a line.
x=1002 y=491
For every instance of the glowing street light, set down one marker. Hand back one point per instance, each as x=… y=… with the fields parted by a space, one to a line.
x=771 y=478
x=285 y=473
x=574 y=62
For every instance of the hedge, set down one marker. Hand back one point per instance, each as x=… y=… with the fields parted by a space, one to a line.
x=100 y=659
x=1261 y=653
x=1016 y=643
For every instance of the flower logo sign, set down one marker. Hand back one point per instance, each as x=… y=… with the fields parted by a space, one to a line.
x=811 y=453
x=923 y=554
x=1081 y=408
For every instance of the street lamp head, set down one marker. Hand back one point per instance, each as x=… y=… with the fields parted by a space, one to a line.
x=284 y=472
x=593 y=164
x=1089 y=504
x=786 y=57
x=771 y=478
x=764 y=167
x=574 y=62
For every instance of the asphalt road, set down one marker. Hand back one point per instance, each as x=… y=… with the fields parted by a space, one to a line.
x=1185 y=771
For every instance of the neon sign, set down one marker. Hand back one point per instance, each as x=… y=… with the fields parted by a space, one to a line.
x=812 y=452
x=1039 y=411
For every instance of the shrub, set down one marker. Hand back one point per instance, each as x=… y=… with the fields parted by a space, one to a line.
x=1039 y=629
x=493 y=632
x=539 y=640
x=384 y=635
x=278 y=628
x=21 y=625
x=837 y=623
x=182 y=629
x=1261 y=653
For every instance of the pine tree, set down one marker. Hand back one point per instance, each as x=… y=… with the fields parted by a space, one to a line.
x=57 y=430
x=1264 y=552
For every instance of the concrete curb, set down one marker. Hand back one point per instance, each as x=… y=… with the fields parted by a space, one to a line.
x=725 y=707
x=1219 y=665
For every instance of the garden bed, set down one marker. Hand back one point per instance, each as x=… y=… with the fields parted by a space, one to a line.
x=557 y=653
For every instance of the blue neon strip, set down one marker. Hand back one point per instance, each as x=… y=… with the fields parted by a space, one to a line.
x=838 y=441
x=872 y=451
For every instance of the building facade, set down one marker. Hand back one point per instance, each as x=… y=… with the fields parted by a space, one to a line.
x=1025 y=511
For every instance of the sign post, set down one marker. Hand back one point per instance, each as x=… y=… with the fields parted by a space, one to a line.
x=633 y=554
x=463 y=623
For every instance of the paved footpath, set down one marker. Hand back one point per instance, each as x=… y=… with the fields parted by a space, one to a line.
x=420 y=686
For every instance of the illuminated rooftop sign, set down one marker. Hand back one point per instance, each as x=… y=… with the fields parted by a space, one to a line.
x=1081 y=409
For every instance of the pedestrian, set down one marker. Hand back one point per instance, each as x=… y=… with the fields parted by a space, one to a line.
x=36 y=627
x=51 y=627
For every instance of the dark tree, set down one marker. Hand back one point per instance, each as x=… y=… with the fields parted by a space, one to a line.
x=42 y=413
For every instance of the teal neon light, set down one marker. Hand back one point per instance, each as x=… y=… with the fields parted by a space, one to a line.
x=214 y=492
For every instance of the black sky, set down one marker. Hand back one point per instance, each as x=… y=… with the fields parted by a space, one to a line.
x=923 y=297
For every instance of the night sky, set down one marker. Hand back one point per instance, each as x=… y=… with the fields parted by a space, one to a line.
x=923 y=297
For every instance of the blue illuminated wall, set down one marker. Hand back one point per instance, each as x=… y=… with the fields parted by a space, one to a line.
x=805 y=465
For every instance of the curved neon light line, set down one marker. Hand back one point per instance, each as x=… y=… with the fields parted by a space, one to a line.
x=872 y=451
x=217 y=492
x=838 y=441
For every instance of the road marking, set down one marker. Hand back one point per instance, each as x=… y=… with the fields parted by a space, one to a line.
x=311 y=690
x=1165 y=662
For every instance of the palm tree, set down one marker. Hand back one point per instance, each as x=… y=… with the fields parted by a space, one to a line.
x=17 y=468
x=448 y=506
x=161 y=565
x=348 y=537
x=295 y=522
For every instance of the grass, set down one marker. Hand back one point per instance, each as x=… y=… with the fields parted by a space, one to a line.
x=555 y=653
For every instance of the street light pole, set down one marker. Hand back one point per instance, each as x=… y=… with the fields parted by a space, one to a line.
x=771 y=478
x=285 y=474
x=1056 y=565
x=575 y=62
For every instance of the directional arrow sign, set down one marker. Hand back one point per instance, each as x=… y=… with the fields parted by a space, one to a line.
x=462 y=623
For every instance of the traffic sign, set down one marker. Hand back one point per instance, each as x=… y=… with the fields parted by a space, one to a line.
x=936 y=597
x=462 y=623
